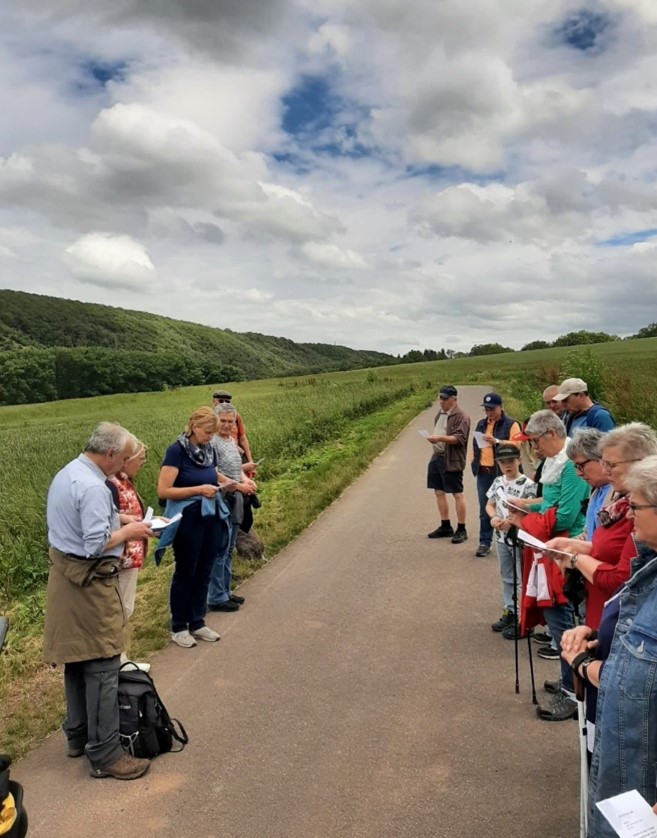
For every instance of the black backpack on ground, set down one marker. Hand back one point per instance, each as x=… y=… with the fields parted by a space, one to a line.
x=145 y=727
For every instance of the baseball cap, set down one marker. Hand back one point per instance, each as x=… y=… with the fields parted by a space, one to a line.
x=506 y=451
x=448 y=390
x=221 y=394
x=570 y=386
x=492 y=400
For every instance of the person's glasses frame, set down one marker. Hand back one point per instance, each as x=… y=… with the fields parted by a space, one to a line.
x=635 y=506
x=580 y=466
x=534 y=442
x=609 y=465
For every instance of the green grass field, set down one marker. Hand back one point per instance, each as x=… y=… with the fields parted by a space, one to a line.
x=316 y=434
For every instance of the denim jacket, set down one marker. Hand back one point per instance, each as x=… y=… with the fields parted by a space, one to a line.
x=625 y=750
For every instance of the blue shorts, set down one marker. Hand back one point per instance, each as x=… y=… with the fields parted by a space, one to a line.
x=450 y=482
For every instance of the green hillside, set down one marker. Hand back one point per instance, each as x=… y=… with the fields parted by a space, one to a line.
x=52 y=348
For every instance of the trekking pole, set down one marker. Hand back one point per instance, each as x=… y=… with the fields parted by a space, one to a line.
x=517 y=557
x=514 y=541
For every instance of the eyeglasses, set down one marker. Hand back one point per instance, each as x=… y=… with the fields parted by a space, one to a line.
x=610 y=466
x=580 y=466
x=635 y=506
x=534 y=442
x=223 y=401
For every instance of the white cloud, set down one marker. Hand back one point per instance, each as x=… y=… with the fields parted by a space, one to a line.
x=433 y=151
x=111 y=261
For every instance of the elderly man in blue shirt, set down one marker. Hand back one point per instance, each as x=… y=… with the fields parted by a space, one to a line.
x=84 y=623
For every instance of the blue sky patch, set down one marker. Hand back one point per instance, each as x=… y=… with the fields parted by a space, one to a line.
x=627 y=239
x=96 y=74
x=583 y=30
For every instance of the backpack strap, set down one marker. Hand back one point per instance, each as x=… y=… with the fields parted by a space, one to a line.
x=181 y=737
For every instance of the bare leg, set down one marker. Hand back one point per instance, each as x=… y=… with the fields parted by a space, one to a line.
x=443 y=508
x=459 y=503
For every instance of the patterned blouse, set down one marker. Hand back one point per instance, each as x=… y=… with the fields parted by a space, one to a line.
x=130 y=504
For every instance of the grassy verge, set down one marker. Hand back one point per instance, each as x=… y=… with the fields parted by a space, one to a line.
x=31 y=693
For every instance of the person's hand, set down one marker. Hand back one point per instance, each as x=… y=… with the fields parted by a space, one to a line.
x=136 y=530
x=506 y=525
x=515 y=517
x=246 y=487
x=574 y=641
x=250 y=466
x=563 y=544
x=524 y=503
x=124 y=518
x=496 y=522
x=490 y=439
x=207 y=490
x=434 y=438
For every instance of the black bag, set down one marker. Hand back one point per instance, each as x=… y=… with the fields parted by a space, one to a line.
x=145 y=727
x=7 y=786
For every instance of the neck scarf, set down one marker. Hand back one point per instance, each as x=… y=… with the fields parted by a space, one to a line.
x=553 y=467
x=201 y=455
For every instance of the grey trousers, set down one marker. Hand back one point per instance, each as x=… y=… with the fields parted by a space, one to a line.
x=92 y=709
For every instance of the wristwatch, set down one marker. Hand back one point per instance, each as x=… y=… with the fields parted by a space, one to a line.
x=573 y=560
x=583 y=660
x=585 y=668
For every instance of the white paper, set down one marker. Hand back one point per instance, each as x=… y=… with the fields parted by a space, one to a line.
x=148 y=515
x=537 y=544
x=424 y=434
x=481 y=442
x=630 y=815
x=229 y=484
x=159 y=524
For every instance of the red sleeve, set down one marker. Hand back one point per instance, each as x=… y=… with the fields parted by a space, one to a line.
x=608 y=577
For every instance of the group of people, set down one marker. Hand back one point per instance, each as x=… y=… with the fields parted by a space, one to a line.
x=591 y=500
x=98 y=535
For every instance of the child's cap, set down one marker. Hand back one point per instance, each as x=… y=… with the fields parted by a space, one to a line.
x=507 y=451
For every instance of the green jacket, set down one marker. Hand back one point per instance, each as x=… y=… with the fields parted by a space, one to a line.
x=567 y=495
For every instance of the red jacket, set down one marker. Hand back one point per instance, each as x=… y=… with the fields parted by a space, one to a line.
x=542 y=580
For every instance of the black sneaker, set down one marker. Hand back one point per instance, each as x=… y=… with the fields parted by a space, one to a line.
x=459 y=537
x=542 y=637
x=549 y=654
x=442 y=532
x=240 y=600
x=229 y=605
x=552 y=687
x=511 y=632
x=482 y=550
x=561 y=709
x=507 y=619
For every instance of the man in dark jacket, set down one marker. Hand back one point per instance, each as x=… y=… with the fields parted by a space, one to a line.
x=445 y=470
x=494 y=427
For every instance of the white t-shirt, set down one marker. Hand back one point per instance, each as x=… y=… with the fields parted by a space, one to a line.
x=521 y=487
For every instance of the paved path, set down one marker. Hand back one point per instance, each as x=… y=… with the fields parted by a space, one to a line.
x=359 y=692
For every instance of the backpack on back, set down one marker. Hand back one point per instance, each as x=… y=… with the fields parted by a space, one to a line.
x=145 y=727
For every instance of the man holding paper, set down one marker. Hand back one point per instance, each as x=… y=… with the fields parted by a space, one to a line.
x=445 y=470
x=494 y=428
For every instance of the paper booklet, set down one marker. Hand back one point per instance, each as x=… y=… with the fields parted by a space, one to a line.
x=481 y=442
x=537 y=544
x=630 y=815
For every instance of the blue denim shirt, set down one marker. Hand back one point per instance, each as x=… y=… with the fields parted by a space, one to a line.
x=625 y=749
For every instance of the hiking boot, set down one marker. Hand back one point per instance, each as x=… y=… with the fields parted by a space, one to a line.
x=75 y=751
x=124 y=768
x=541 y=637
x=561 y=709
x=549 y=654
x=183 y=638
x=552 y=687
x=229 y=605
x=459 y=537
x=442 y=532
x=240 y=600
x=482 y=550
x=206 y=633
x=508 y=618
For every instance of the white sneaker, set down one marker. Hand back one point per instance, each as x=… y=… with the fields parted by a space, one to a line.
x=183 y=638
x=206 y=633
x=144 y=667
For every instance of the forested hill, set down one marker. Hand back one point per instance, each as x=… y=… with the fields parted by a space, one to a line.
x=52 y=348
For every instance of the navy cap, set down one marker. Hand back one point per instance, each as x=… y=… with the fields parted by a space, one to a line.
x=492 y=400
x=448 y=391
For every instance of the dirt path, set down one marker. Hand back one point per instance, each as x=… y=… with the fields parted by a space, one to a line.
x=359 y=692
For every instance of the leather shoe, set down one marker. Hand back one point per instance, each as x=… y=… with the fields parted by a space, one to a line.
x=482 y=550
x=459 y=537
x=229 y=605
x=74 y=752
x=237 y=598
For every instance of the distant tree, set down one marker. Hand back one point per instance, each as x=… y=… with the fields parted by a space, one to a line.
x=536 y=344
x=647 y=331
x=413 y=357
x=489 y=349
x=583 y=337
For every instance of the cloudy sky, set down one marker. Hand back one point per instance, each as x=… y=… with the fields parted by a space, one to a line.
x=385 y=174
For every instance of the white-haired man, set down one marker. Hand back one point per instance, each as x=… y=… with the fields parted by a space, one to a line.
x=84 y=624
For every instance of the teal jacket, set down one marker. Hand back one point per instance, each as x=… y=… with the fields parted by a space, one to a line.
x=567 y=495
